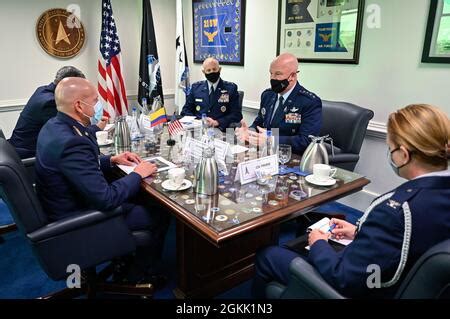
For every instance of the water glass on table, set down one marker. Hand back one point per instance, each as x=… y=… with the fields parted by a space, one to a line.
x=284 y=155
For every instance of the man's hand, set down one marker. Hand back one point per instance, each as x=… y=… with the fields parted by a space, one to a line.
x=102 y=123
x=146 y=169
x=257 y=138
x=316 y=235
x=126 y=158
x=212 y=122
x=242 y=132
x=342 y=229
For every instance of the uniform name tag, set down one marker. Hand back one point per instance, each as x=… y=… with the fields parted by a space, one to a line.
x=198 y=100
x=293 y=118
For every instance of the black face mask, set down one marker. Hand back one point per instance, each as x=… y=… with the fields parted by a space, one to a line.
x=279 y=86
x=212 y=77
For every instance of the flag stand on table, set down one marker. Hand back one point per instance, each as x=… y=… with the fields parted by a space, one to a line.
x=175 y=127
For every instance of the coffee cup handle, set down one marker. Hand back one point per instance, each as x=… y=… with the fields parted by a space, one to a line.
x=333 y=172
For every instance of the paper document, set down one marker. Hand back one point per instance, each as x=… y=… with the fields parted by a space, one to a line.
x=324 y=226
x=162 y=164
x=236 y=149
x=190 y=122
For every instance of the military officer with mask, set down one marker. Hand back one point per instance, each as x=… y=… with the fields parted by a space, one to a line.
x=288 y=106
x=216 y=98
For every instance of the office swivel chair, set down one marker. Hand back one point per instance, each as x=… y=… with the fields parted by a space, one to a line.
x=86 y=239
x=347 y=124
x=429 y=278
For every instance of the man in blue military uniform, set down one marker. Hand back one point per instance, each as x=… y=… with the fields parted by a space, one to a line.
x=70 y=172
x=39 y=109
x=287 y=106
x=216 y=98
x=396 y=229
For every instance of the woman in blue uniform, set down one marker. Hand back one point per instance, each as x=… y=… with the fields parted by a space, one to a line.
x=397 y=228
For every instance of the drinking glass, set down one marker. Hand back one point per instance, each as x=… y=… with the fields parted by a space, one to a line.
x=284 y=155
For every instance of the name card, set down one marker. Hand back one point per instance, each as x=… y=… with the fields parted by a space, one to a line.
x=246 y=170
x=195 y=148
x=145 y=122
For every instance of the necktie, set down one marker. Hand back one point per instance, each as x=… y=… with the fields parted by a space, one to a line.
x=273 y=112
x=211 y=96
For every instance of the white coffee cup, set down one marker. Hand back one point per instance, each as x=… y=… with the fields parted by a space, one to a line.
x=102 y=137
x=176 y=176
x=323 y=172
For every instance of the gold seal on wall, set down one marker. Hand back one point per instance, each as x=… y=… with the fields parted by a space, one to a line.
x=60 y=33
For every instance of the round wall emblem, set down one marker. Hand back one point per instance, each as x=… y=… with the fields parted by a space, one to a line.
x=60 y=33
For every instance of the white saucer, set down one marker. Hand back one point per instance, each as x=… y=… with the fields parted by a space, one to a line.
x=167 y=184
x=312 y=180
x=107 y=142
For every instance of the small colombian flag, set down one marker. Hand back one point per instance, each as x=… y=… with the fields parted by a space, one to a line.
x=158 y=117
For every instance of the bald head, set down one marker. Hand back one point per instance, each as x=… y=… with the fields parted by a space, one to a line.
x=75 y=96
x=285 y=67
x=210 y=65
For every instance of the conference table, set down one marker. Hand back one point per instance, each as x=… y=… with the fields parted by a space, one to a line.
x=217 y=236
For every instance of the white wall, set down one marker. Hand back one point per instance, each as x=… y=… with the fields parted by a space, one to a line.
x=25 y=66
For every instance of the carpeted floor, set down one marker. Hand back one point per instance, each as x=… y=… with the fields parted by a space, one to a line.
x=21 y=276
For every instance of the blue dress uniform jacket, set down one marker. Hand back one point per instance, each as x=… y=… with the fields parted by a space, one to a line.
x=381 y=236
x=69 y=171
x=301 y=116
x=378 y=242
x=225 y=108
x=39 y=109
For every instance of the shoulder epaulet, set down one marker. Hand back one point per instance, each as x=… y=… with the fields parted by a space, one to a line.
x=307 y=93
x=400 y=196
x=197 y=83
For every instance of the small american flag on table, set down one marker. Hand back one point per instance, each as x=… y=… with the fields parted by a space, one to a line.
x=175 y=126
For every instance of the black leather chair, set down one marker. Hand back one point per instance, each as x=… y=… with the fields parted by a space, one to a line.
x=347 y=124
x=429 y=278
x=86 y=239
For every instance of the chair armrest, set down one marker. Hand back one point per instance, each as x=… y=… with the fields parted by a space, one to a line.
x=28 y=162
x=306 y=283
x=343 y=158
x=274 y=290
x=73 y=222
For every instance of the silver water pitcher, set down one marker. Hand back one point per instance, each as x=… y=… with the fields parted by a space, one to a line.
x=207 y=172
x=315 y=153
x=122 y=138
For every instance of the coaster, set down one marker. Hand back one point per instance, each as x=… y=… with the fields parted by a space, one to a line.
x=273 y=203
x=257 y=210
x=225 y=202
x=259 y=198
x=157 y=181
x=190 y=201
x=293 y=177
x=221 y=218
x=184 y=196
x=230 y=211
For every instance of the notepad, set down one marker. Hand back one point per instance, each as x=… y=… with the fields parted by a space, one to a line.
x=162 y=164
x=324 y=226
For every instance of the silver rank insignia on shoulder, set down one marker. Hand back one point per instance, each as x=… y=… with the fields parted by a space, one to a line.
x=223 y=108
x=77 y=130
x=263 y=111
x=294 y=109
x=393 y=204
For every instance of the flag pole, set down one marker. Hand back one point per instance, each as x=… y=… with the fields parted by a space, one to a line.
x=170 y=141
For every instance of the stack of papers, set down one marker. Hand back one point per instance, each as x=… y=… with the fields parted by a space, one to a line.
x=324 y=226
x=162 y=164
x=190 y=122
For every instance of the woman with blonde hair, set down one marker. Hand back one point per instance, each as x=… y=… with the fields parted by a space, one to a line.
x=397 y=228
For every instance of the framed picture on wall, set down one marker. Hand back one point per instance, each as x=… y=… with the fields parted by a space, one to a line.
x=436 y=48
x=219 y=30
x=321 y=31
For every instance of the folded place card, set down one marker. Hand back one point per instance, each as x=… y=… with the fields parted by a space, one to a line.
x=246 y=171
x=160 y=162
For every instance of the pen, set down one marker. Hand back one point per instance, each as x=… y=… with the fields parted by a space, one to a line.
x=331 y=228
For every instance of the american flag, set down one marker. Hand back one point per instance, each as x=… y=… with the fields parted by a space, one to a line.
x=111 y=86
x=175 y=126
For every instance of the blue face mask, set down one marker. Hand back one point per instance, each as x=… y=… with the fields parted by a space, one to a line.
x=98 y=112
